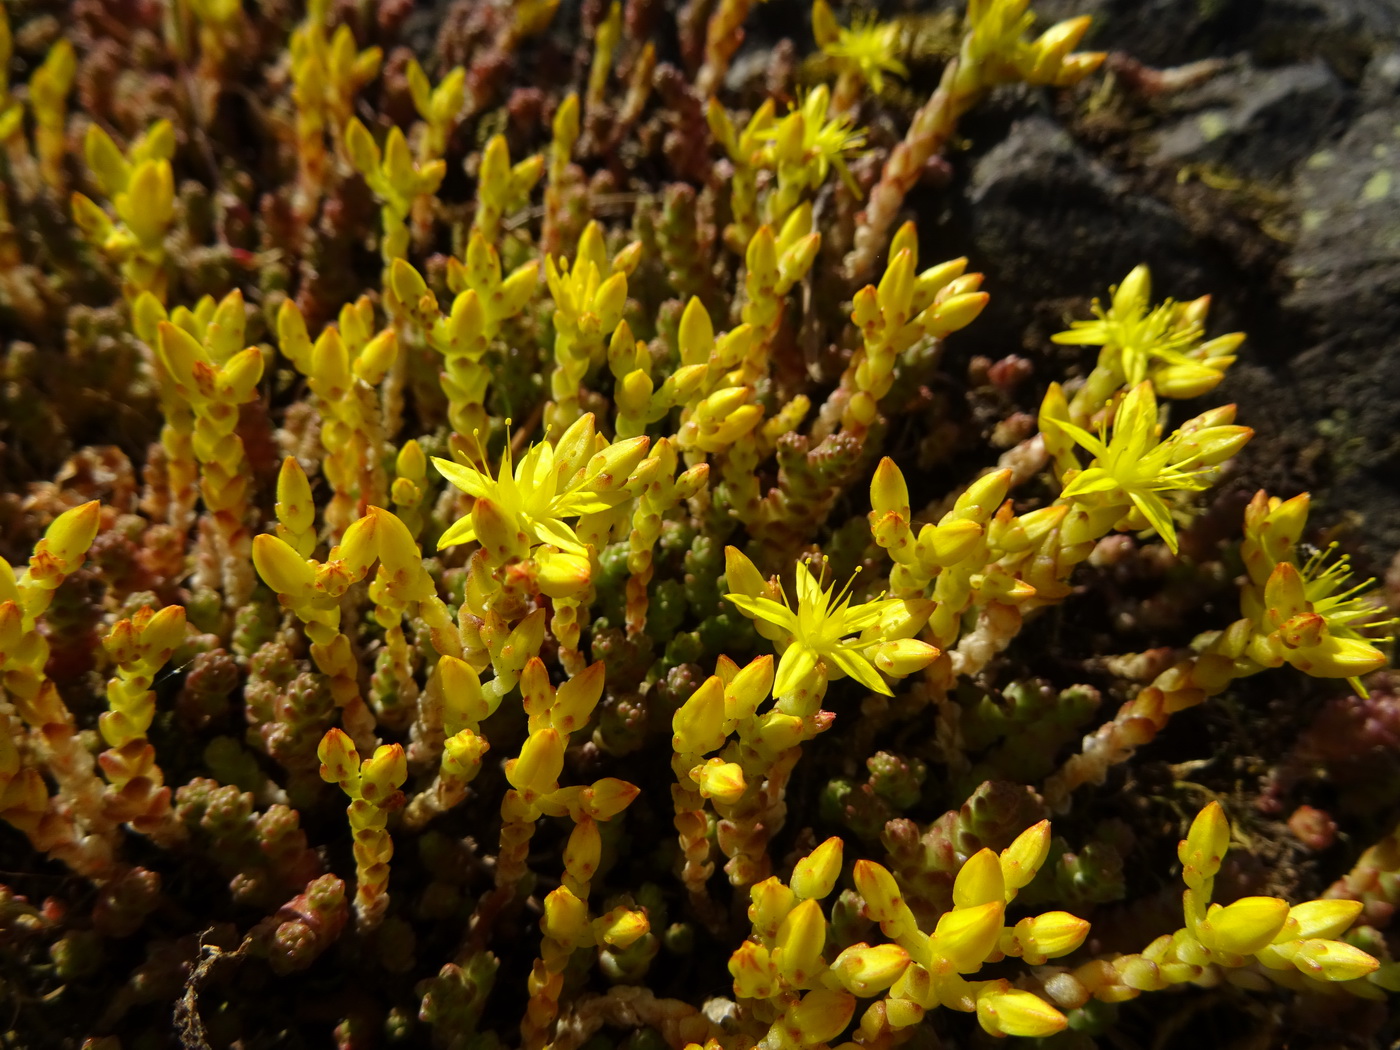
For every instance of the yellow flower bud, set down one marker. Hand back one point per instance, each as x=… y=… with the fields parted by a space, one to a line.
x=1322 y=919
x=966 y=936
x=608 y=797
x=463 y=701
x=576 y=699
x=821 y=1016
x=698 y=725
x=903 y=656
x=559 y=574
x=769 y=904
x=1327 y=960
x=748 y=688
x=282 y=568
x=583 y=850
x=888 y=492
x=237 y=381
x=565 y=917
x=979 y=881
x=383 y=773
x=752 y=970
x=69 y=535
x=814 y=876
x=798 y=946
x=536 y=771
x=462 y=752
x=1014 y=1012
x=1244 y=926
x=867 y=971
x=163 y=634
x=883 y=901
x=1045 y=936
x=622 y=927
x=1023 y=858
x=720 y=780
x=1203 y=848
x=295 y=507
x=340 y=762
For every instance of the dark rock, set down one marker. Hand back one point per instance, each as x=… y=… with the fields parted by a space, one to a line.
x=1049 y=222
x=1259 y=123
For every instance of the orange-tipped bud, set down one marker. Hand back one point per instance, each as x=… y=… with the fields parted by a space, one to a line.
x=743 y=576
x=752 y=968
x=70 y=534
x=359 y=547
x=749 y=687
x=1321 y=919
x=884 y=903
x=1046 y=936
x=383 y=773
x=576 y=699
x=608 y=797
x=295 y=507
x=340 y=762
x=163 y=633
x=622 y=927
x=461 y=755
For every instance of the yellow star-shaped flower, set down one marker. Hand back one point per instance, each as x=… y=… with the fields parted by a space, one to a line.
x=820 y=627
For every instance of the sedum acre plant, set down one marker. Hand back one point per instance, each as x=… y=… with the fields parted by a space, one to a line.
x=531 y=527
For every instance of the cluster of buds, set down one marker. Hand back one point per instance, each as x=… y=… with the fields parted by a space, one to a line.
x=48 y=100
x=483 y=302
x=327 y=74
x=139 y=647
x=395 y=178
x=212 y=372
x=342 y=367
x=141 y=187
x=438 y=106
x=588 y=302
x=518 y=516
x=24 y=654
x=1307 y=614
x=502 y=187
x=903 y=309
x=312 y=591
x=815 y=999
x=1122 y=488
x=994 y=50
x=373 y=789
x=1163 y=344
x=1294 y=946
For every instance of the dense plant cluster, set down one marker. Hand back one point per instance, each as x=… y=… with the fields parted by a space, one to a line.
x=508 y=577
